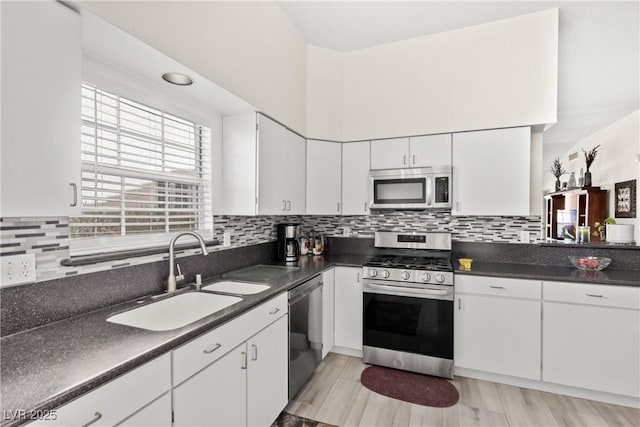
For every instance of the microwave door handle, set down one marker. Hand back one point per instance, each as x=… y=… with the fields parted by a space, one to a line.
x=429 y=190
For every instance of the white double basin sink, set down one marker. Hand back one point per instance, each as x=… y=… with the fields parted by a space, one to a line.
x=182 y=309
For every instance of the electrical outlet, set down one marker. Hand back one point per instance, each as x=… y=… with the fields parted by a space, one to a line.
x=18 y=269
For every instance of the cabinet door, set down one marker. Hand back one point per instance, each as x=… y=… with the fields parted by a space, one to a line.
x=499 y=335
x=272 y=163
x=294 y=164
x=430 y=150
x=355 y=178
x=328 y=294
x=592 y=347
x=390 y=153
x=41 y=98
x=324 y=183
x=491 y=172
x=348 y=307
x=215 y=396
x=267 y=387
x=157 y=413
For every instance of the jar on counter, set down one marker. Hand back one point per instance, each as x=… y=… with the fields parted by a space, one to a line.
x=319 y=244
x=303 y=242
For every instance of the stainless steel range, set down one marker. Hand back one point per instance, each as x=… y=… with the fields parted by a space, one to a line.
x=408 y=303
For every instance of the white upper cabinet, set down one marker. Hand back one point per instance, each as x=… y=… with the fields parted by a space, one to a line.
x=324 y=173
x=390 y=153
x=430 y=150
x=491 y=172
x=414 y=152
x=355 y=178
x=41 y=81
x=263 y=168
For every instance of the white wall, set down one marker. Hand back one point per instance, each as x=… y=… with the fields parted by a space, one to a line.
x=248 y=48
x=493 y=75
x=617 y=161
x=325 y=93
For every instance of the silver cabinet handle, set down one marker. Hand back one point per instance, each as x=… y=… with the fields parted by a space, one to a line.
x=358 y=278
x=414 y=159
x=284 y=205
x=459 y=304
x=365 y=206
x=404 y=159
x=594 y=295
x=289 y=205
x=75 y=194
x=274 y=311
x=212 y=349
x=496 y=287
x=243 y=355
x=96 y=417
x=254 y=352
x=458 y=206
x=338 y=209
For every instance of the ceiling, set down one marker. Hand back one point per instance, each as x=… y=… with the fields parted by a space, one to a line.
x=599 y=46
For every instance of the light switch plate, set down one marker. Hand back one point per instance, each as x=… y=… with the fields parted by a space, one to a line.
x=17 y=269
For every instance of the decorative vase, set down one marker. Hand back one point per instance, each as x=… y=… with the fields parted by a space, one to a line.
x=587 y=178
x=558 y=183
x=572 y=180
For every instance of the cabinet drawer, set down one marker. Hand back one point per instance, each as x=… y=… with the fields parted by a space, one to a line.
x=118 y=399
x=203 y=350
x=601 y=295
x=498 y=286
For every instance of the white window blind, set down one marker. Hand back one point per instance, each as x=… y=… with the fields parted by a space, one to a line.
x=146 y=174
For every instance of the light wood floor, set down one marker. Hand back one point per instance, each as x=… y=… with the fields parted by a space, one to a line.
x=335 y=396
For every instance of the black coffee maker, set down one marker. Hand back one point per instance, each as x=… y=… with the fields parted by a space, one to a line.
x=288 y=248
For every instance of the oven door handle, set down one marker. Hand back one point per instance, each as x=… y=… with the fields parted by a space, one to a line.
x=396 y=290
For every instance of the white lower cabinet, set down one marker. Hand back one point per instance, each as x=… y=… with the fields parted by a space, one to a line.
x=348 y=308
x=247 y=385
x=119 y=399
x=591 y=337
x=157 y=413
x=497 y=326
x=328 y=322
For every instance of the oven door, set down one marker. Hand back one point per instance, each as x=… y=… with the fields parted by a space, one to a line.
x=408 y=321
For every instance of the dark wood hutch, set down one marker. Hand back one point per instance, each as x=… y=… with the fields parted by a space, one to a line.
x=590 y=204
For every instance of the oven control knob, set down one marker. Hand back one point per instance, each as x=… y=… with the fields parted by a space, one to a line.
x=372 y=272
x=426 y=277
x=405 y=275
x=439 y=277
x=385 y=274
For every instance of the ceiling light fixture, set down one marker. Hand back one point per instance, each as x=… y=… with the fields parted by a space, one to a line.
x=178 y=79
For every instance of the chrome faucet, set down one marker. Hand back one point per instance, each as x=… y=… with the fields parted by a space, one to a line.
x=171 y=280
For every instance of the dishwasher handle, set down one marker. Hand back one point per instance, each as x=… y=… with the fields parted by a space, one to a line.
x=302 y=291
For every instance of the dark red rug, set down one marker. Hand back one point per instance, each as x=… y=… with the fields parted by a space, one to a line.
x=410 y=387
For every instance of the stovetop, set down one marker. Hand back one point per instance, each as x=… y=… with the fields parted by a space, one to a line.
x=410 y=262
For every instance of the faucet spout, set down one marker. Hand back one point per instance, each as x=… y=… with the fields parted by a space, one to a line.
x=171 y=279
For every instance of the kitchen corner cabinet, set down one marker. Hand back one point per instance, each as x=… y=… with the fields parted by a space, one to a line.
x=328 y=323
x=324 y=177
x=348 y=308
x=263 y=167
x=497 y=325
x=591 y=337
x=414 y=152
x=355 y=177
x=122 y=400
x=41 y=91
x=235 y=375
x=491 y=172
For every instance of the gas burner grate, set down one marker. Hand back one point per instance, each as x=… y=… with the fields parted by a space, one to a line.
x=410 y=262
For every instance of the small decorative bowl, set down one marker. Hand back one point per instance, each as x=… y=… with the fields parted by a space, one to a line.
x=589 y=263
x=465 y=263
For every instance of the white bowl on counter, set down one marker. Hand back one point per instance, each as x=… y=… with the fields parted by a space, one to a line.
x=619 y=233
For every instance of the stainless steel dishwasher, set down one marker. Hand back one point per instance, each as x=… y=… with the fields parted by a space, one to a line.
x=305 y=332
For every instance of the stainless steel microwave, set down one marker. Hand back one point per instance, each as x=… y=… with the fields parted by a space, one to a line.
x=417 y=188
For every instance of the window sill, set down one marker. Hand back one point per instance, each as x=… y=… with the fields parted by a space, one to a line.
x=115 y=256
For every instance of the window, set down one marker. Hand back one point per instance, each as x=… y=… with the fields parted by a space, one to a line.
x=145 y=173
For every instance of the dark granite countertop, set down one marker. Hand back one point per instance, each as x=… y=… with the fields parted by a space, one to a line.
x=45 y=367
x=552 y=273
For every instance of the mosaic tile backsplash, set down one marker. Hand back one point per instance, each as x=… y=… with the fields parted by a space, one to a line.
x=48 y=238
